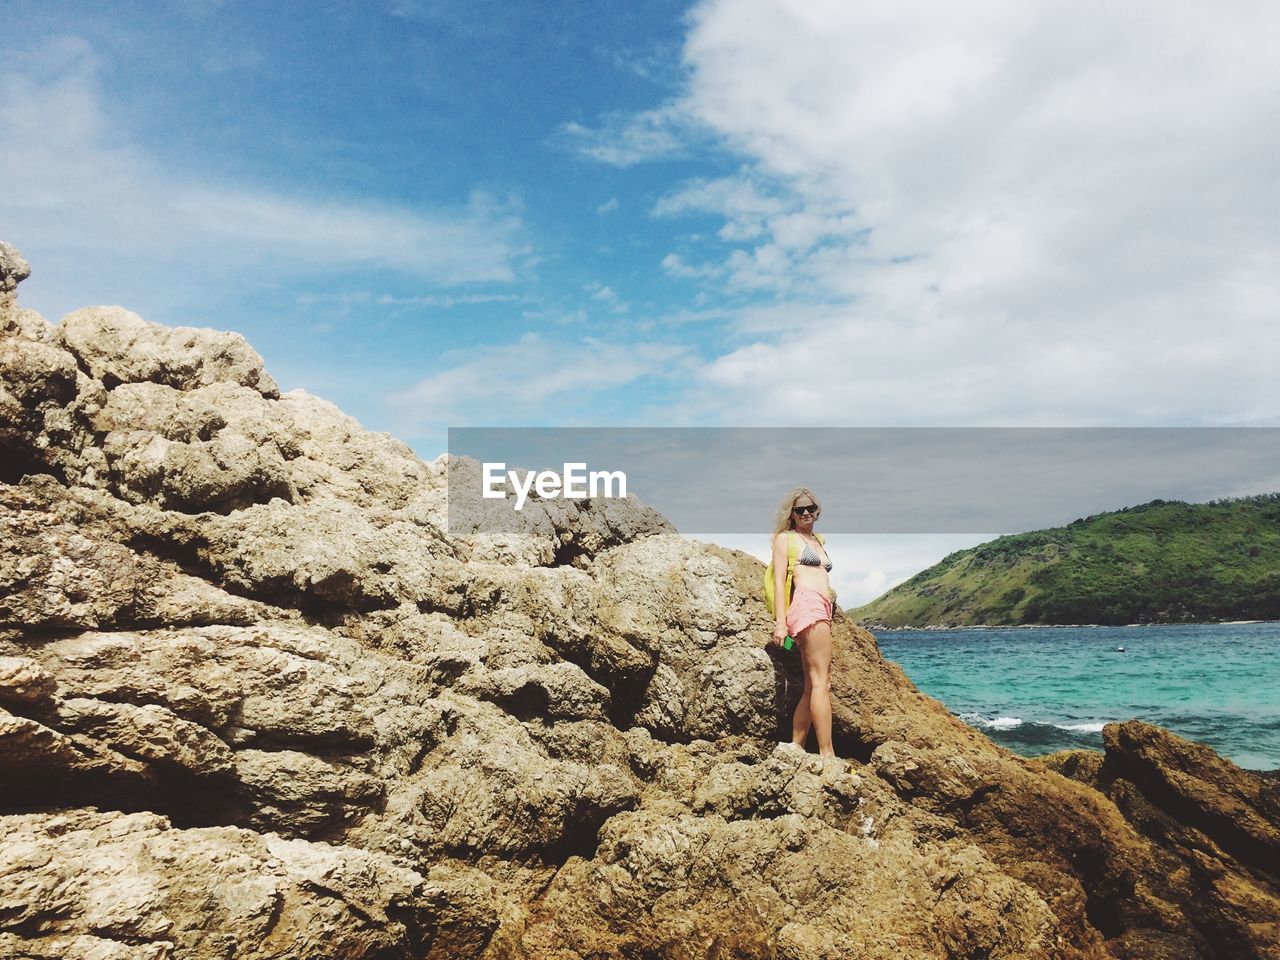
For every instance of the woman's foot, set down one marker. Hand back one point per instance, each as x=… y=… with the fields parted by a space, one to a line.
x=788 y=745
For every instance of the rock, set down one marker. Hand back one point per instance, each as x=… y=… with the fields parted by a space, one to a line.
x=175 y=450
x=24 y=682
x=783 y=885
x=1082 y=765
x=13 y=268
x=50 y=764
x=53 y=576
x=296 y=793
x=1236 y=808
x=490 y=790
x=117 y=346
x=151 y=734
x=130 y=885
x=1215 y=828
x=37 y=382
x=560 y=691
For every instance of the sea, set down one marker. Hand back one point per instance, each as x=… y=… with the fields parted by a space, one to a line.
x=1040 y=689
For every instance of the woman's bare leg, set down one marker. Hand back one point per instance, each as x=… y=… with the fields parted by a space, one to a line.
x=815 y=651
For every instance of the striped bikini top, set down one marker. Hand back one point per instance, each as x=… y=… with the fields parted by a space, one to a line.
x=809 y=557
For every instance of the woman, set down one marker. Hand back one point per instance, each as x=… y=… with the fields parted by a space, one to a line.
x=807 y=615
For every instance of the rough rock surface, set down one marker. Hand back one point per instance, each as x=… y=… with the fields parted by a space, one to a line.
x=256 y=701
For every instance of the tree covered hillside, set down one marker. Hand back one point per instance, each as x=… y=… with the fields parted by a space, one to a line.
x=1163 y=562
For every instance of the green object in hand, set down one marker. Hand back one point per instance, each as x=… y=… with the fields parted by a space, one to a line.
x=786 y=644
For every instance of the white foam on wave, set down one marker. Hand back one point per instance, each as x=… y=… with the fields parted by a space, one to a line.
x=1005 y=723
x=984 y=722
x=999 y=723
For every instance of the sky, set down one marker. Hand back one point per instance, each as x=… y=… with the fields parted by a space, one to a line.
x=725 y=213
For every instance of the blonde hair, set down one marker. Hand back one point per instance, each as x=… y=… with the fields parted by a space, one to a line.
x=784 y=519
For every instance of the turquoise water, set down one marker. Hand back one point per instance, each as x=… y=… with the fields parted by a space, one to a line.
x=1040 y=689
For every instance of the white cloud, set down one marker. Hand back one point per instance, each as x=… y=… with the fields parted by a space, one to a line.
x=80 y=185
x=445 y=248
x=675 y=265
x=623 y=140
x=559 y=318
x=609 y=206
x=1001 y=213
x=608 y=297
x=754 y=208
x=442 y=301
x=742 y=197
x=533 y=380
x=871 y=585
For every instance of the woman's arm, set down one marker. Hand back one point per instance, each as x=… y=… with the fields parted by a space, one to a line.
x=780 y=585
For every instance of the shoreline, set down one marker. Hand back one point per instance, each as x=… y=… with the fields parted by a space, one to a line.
x=937 y=628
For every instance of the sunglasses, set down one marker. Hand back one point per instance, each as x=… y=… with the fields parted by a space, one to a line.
x=802 y=511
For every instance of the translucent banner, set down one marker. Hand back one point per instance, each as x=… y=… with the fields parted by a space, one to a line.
x=868 y=480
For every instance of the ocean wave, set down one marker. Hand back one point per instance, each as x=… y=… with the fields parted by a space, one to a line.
x=991 y=723
x=1012 y=723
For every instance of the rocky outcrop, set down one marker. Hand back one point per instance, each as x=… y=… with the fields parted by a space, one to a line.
x=117 y=886
x=256 y=700
x=1213 y=824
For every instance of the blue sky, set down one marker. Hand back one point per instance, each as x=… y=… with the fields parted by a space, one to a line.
x=371 y=194
x=735 y=212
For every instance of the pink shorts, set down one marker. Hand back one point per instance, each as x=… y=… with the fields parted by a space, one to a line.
x=807 y=607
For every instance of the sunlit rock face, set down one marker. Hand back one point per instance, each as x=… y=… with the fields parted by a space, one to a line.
x=256 y=701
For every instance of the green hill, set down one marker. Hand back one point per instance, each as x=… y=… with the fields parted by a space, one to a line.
x=1161 y=562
